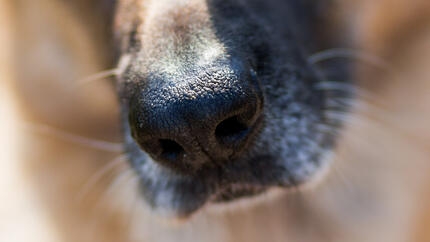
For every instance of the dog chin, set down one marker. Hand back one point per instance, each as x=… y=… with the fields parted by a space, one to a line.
x=244 y=202
x=236 y=198
x=248 y=198
x=218 y=208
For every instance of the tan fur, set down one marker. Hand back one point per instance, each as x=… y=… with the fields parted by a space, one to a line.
x=378 y=189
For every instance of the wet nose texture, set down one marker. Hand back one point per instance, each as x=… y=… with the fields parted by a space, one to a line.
x=204 y=119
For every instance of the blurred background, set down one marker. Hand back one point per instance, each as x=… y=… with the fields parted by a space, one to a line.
x=51 y=184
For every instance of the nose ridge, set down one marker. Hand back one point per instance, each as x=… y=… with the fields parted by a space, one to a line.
x=209 y=119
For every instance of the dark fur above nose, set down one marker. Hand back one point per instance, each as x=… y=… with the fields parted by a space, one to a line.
x=198 y=118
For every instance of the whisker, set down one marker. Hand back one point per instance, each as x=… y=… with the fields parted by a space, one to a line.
x=125 y=179
x=127 y=175
x=329 y=129
x=98 y=175
x=412 y=138
x=98 y=76
x=133 y=209
x=73 y=138
x=344 y=87
x=355 y=98
x=369 y=113
x=346 y=182
x=352 y=54
x=340 y=103
x=337 y=115
x=336 y=86
x=348 y=102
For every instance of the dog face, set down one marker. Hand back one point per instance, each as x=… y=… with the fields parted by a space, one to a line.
x=219 y=100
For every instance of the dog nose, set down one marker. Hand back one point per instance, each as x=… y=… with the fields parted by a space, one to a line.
x=204 y=118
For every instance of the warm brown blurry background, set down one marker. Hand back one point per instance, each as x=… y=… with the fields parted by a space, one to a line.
x=379 y=189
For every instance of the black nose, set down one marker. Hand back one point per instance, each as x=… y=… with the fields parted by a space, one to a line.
x=198 y=119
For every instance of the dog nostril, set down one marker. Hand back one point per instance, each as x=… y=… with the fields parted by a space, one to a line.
x=170 y=150
x=231 y=131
